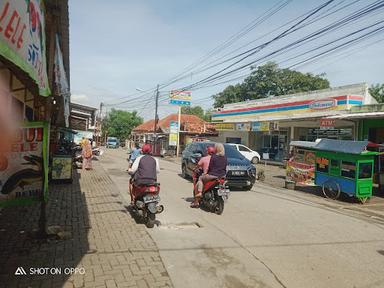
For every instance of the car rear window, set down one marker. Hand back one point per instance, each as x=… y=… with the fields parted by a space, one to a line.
x=231 y=152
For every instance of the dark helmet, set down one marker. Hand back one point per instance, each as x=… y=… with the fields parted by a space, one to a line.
x=146 y=149
x=211 y=150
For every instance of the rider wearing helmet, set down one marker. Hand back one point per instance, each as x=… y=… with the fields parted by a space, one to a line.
x=145 y=168
x=204 y=165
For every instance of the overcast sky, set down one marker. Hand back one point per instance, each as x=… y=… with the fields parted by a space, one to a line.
x=120 y=45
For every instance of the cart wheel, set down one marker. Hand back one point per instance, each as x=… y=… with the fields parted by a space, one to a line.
x=363 y=199
x=331 y=189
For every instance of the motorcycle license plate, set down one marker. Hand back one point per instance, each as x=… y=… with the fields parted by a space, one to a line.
x=151 y=198
x=223 y=192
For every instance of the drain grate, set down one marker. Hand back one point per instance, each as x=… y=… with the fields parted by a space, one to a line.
x=180 y=226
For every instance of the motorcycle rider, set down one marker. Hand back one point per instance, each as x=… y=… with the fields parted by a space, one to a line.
x=134 y=154
x=217 y=169
x=202 y=169
x=144 y=170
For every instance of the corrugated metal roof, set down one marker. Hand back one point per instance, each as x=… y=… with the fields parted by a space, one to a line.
x=342 y=146
x=305 y=144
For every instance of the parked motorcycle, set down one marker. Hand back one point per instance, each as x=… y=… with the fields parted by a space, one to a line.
x=215 y=193
x=146 y=200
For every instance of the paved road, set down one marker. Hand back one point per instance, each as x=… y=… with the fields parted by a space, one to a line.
x=266 y=237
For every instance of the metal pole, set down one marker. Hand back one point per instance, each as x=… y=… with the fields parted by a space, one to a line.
x=156 y=119
x=178 y=133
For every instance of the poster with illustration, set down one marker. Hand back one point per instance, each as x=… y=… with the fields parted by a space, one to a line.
x=61 y=167
x=24 y=165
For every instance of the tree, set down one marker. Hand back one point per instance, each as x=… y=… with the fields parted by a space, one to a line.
x=198 y=111
x=268 y=80
x=119 y=123
x=377 y=92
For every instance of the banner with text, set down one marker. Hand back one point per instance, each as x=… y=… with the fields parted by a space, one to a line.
x=22 y=38
x=24 y=166
x=180 y=97
x=173 y=130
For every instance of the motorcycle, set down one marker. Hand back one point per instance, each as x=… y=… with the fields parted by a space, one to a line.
x=145 y=203
x=215 y=193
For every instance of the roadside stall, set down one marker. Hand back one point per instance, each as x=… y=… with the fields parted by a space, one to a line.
x=301 y=165
x=339 y=166
x=345 y=166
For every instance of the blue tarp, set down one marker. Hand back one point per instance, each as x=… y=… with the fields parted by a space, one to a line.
x=342 y=146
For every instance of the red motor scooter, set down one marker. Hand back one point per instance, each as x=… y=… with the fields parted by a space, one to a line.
x=215 y=193
x=145 y=200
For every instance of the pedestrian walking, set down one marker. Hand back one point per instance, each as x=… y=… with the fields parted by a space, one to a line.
x=86 y=153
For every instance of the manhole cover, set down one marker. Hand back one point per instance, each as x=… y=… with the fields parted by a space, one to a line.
x=180 y=226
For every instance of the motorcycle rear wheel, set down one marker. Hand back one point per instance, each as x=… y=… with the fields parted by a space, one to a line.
x=151 y=219
x=220 y=206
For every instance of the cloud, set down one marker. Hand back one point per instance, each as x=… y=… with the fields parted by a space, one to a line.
x=79 y=98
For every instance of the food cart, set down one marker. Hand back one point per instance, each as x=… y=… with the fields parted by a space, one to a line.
x=337 y=166
x=300 y=168
x=344 y=166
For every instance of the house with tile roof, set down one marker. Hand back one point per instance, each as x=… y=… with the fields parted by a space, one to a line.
x=192 y=128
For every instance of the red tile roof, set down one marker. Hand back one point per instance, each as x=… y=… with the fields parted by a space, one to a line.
x=145 y=127
x=189 y=123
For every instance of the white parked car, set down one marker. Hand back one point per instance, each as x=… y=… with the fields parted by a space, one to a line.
x=251 y=155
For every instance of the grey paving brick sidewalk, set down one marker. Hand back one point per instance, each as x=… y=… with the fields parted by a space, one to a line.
x=98 y=234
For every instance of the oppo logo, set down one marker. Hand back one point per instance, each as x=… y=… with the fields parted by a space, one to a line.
x=322 y=104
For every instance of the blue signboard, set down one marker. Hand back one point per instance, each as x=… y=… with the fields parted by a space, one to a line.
x=179 y=102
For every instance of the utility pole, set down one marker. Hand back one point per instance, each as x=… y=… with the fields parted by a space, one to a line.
x=156 y=118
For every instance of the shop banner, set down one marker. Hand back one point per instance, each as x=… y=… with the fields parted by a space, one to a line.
x=180 y=97
x=260 y=126
x=265 y=126
x=173 y=130
x=224 y=126
x=24 y=166
x=62 y=87
x=22 y=38
x=243 y=126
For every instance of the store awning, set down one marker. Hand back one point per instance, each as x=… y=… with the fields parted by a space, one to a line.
x=358 y=115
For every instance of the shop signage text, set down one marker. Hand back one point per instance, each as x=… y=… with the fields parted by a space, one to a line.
x=22 y=38
x=224 y=126
x=322 y=104
x=327 y=123
x=24 y=167
x=180 y=97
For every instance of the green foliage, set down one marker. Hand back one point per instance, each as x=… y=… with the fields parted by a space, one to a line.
x=119 y=123
x=268 y=80
x=377 y=92
x=198 y=111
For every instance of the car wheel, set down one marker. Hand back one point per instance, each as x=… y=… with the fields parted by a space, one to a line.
x=255 y=160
